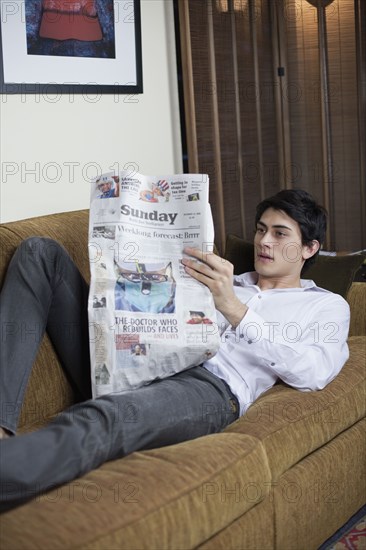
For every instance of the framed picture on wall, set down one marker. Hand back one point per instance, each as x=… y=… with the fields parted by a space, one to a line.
x=70 y=46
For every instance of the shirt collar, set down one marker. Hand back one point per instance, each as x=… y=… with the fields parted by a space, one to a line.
x=251 y=278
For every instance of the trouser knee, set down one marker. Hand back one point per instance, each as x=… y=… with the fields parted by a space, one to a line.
x=120 y=409
x=111 y=412
x=105 y=411
x=40 y=249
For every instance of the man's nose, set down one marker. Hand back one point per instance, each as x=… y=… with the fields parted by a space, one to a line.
x=265 y=239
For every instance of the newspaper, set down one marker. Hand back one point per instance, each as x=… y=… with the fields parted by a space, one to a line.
x=148 y=319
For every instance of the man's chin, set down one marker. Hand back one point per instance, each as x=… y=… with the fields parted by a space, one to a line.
x=264 y=267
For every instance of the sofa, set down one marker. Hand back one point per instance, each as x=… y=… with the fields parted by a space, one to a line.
x=286 y=475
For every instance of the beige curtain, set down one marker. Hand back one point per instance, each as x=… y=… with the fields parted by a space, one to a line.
x=274 y=95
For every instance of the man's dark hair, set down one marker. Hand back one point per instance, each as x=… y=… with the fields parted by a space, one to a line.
x=301 y=207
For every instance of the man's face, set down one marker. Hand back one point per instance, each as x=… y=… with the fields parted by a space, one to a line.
x=279 y=251
x=105 y=187
x=196 y=318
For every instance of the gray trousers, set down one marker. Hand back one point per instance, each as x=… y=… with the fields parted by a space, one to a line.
x=43 y=290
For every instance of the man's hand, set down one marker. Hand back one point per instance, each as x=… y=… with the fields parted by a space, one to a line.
x=217 y=274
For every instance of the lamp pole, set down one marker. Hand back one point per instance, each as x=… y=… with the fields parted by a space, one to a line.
x=327 y=153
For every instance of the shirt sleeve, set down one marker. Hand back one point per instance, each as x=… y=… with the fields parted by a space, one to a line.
x=306 y=357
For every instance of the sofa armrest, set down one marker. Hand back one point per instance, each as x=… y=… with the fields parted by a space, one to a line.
x=356 y=298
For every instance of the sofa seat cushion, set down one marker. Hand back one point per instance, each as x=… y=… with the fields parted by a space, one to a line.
x=292 y=424
x=174 y=497
x=254 y=530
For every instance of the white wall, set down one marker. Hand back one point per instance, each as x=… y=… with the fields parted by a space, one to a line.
x=50 y=149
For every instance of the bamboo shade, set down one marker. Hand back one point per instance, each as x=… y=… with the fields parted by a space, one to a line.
x=259 y=118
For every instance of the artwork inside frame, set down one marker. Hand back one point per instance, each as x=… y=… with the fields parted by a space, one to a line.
x=70 y=46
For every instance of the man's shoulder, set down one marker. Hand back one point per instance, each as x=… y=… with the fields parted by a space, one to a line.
x=326 y=298
x=311 y=286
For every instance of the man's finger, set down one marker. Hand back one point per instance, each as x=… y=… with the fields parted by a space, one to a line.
x=199 y=267
x=207 y=257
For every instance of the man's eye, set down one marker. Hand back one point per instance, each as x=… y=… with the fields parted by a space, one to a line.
x=280 y=234
x=260 y=230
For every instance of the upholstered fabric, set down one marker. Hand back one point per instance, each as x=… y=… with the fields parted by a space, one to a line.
x=68 y=228
x=240 y=253
x=191 y=490
x=357 y=301
x=327 y=484
x=334 y=273
x=286 y=475
x=254 y=530
x=293 y=424
x=48 y=391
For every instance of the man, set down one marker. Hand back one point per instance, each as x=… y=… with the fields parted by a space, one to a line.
x=198 y=318
x=273 y=324
x=108 y=188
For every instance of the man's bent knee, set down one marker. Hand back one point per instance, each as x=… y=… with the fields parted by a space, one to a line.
x=38 y=249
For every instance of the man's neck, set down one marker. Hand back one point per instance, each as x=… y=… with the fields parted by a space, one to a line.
x=270 y=283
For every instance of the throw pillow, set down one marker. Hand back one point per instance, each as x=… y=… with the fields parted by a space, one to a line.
x=240 y=253
x=335 y=273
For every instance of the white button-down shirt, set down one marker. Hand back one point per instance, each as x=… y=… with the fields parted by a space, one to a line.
x=296 y=334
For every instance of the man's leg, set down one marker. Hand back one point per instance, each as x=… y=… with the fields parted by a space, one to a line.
x=188 y=405
x=43 y=289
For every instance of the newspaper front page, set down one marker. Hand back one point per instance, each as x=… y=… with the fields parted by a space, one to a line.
x=148 y=319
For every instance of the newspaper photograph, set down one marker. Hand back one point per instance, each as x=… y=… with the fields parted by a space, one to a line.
x=148 y=319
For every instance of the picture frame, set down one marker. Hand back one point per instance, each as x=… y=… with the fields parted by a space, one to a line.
x=39 y=54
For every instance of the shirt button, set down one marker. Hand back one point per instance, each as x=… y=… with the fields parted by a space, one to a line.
x=273 y=364
x=259 y=297
x=250 y=341
x=226 y=336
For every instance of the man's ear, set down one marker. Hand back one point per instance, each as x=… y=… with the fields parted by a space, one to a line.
x=310 y=249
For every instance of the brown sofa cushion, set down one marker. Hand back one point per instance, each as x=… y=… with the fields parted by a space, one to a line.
x=192 y=490
x=335 y=273
x=209 y=484
x=292 y=424
x=48 y=392
x=240 y=253
x=254 y=530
